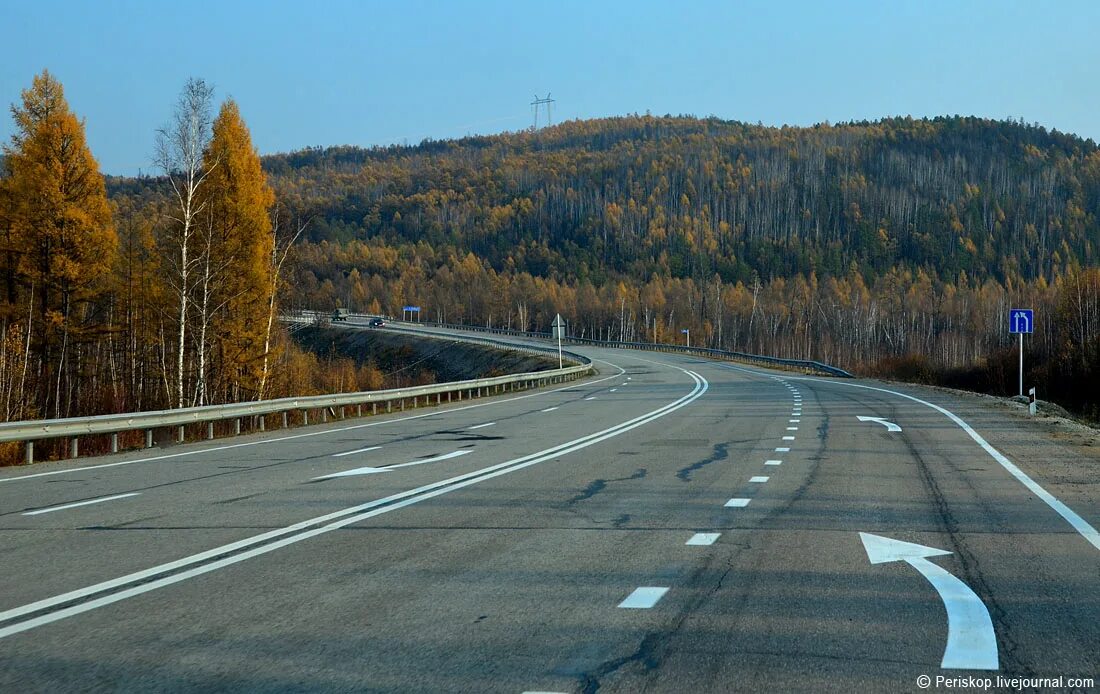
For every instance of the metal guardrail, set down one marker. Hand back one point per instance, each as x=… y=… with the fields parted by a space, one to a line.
x=758 y=359
x=114 y=424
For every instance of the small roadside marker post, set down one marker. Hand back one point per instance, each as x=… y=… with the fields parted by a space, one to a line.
x=688 y=333
x=1031 y=403
x=558 y=328
x=1021 y=321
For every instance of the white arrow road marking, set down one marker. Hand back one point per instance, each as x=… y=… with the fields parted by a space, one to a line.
x=890 y=426
x=373 y=470
x=971 y=643
x=80 y=503
x=357 y=450
x=703 y=539
x=644 y=598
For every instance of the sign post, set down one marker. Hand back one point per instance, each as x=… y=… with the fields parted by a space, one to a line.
x=1021 y=321
x=410 y=310
x=688 y=333
x=558 y=329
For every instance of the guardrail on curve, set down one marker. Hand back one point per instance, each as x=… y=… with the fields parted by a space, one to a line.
x=115 y=424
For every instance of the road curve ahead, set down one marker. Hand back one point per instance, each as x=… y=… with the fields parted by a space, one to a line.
x=668 y=525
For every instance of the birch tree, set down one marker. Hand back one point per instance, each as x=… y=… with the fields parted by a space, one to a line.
x=180 y=149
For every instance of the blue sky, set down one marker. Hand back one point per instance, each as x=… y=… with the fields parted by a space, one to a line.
x=327 y=72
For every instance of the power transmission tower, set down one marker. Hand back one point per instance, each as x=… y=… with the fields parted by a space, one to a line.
x=542 y=102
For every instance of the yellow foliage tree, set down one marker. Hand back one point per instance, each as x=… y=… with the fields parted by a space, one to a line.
x=237 y=268
x=60 y=230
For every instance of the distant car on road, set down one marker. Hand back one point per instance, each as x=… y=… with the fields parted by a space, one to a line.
x=340 y=314
x=376 y=322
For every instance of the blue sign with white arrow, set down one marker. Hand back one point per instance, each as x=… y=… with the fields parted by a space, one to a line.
x=1021 y=320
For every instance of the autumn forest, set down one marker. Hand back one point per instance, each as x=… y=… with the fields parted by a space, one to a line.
x=890 y=248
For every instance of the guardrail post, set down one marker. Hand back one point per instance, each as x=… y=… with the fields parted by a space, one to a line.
x=29 y=457
x=374 y=408
x=210 y=431
x=342 y=413
x=402 y=404
x=74 y=447
x=359 y=410
x=237 y=426
x=179 y=434
x=148 y=438
x=389 y=406
x=114 y=442
x=438 y=399
x=305 y=417
x=416 y=401
x=324 y=415
x=260 y=422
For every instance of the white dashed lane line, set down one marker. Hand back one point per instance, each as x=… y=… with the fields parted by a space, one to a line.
x=759 y=479
x=699 y=539
x=357 y=450
x=51 y=509
x=549 y=409
x=482 y=426
x=773 y=462
x=644 y=597
x=737 y=503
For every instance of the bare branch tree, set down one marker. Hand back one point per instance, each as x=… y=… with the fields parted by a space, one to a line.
x=179 y=153
x=279 y=252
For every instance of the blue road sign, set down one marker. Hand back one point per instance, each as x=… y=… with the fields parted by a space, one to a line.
x=411 y=308
x=1021 y=320
x=685 y=331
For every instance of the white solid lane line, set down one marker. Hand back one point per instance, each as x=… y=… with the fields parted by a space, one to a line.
x=51 y=509
x=759 y=479
x=548 y=409
x=482 y=426
x=357 y=450
x=137 y=583
x=737 y=503
x=703 y=539
x=773 y=462
x=373 y=470
x=644 y=598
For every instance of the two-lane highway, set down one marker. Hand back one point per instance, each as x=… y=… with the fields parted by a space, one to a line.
x=671 y=524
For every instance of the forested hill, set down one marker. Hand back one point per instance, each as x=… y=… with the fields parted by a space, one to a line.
x=685 y=197
x=856 y=243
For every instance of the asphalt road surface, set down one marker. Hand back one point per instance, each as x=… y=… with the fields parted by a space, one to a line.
x=668 y=525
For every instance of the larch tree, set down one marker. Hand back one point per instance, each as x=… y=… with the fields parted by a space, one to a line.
x=61 y=233
x=236 y=276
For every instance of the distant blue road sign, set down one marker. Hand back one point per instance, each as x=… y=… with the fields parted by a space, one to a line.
x=412 y=308
x=1021 y=320
x=685 y=331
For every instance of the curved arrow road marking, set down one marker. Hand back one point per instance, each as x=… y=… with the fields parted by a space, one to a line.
x=890 y=426
x=971 y=642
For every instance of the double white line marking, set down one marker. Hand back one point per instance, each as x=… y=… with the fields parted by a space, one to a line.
x=82 y=600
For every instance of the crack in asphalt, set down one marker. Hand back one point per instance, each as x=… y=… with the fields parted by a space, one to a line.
x=598 y=485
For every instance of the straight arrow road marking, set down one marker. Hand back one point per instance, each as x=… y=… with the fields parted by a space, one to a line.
x=890 y=426
x=644 y=598
x=358 y=450
x=374 y=470
x=51 y=509
x=971 y=642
